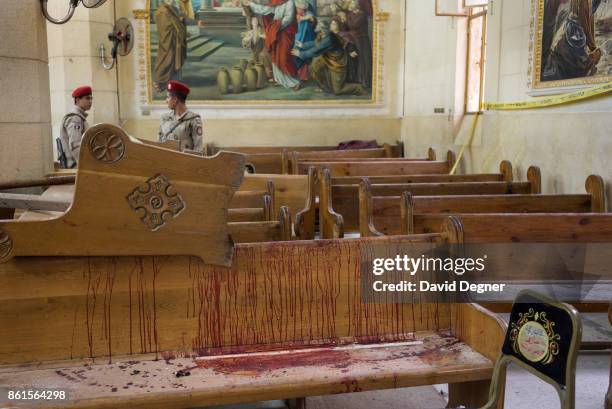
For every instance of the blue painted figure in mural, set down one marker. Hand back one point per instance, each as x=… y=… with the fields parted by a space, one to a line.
x=331 y=53
x=307 y=22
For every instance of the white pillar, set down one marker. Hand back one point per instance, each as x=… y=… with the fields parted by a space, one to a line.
x=25 y=130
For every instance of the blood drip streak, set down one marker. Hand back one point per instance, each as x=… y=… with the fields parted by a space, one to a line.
x=130 y=300
x=73 y=331
x=92 y=288
x=269 y=302
x=108 y=295
x=241 y=317
x=200 y=337
x=355 y=313
x=156 y=270
x=319 y=288
x=191 y=291
x=217 y=304
x=310 y=289
x=251 y=298
x=288 y=255
x=139 y=294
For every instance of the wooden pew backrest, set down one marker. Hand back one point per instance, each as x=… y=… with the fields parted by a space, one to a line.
x=118 y=202
x=246 y=215
x=355 y=155
x=292 y=191
x=543 y=228
x=267 y=231
x=397 y=150
x=505 y=175
x=425 y=213
x=377 y=168
x=295 y=157
x=345 y=198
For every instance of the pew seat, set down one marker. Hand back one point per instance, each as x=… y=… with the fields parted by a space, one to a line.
x=427 y=358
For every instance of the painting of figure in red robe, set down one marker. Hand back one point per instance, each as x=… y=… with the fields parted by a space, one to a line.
x=575 y=45
x=249 y=51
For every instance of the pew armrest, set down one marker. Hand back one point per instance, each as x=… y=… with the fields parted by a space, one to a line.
x=305 y=218
x=366 y=210
x=479 y=328
x=331 y=223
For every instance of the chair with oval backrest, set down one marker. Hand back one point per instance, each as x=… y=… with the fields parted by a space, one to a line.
x=543 y=337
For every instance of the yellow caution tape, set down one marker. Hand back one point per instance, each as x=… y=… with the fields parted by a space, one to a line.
x=542 y=102
x=596 y=91
x=462 y=151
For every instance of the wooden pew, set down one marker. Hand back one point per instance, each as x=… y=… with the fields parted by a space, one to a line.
x=245 y=198
x=118 y=308
x=170 y=144
x=543 y=228
x=249 y=204
x=331 y=223
x=247 y=224
x=274 y=160
x=247 y=215
x=344 y=199
x=397 y=150
x=304 y=225
x=536 y=227
x=381 y=154
x=381 y=168
x=588 y=228
x=249 y=199
x=44 y=182
x=292 y=191
x=284 y=321
x=31 y=202
x=380 y=215
x=265 y=231
x=505 y=175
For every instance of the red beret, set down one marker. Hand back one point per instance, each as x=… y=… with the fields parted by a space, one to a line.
x=81 y=92
x=178 y=87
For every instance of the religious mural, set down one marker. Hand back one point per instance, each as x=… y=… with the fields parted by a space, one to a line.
x=573 y=42
x=250 y=51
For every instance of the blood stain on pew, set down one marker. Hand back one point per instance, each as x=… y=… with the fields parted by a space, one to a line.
x=286 y=296
x=256 y=364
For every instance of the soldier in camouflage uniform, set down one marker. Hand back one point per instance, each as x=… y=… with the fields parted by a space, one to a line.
x=181 y=124
x=74 y=125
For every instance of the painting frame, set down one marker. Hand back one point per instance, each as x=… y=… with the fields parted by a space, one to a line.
x=376 y=100
x=535 y=65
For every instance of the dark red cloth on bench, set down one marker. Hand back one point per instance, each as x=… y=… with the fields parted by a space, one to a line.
x=357 y=144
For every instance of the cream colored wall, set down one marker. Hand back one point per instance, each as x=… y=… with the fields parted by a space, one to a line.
x=293 y=131
x=279 y=125
x=25 y=142
x=74 y=61
x=567 y=143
